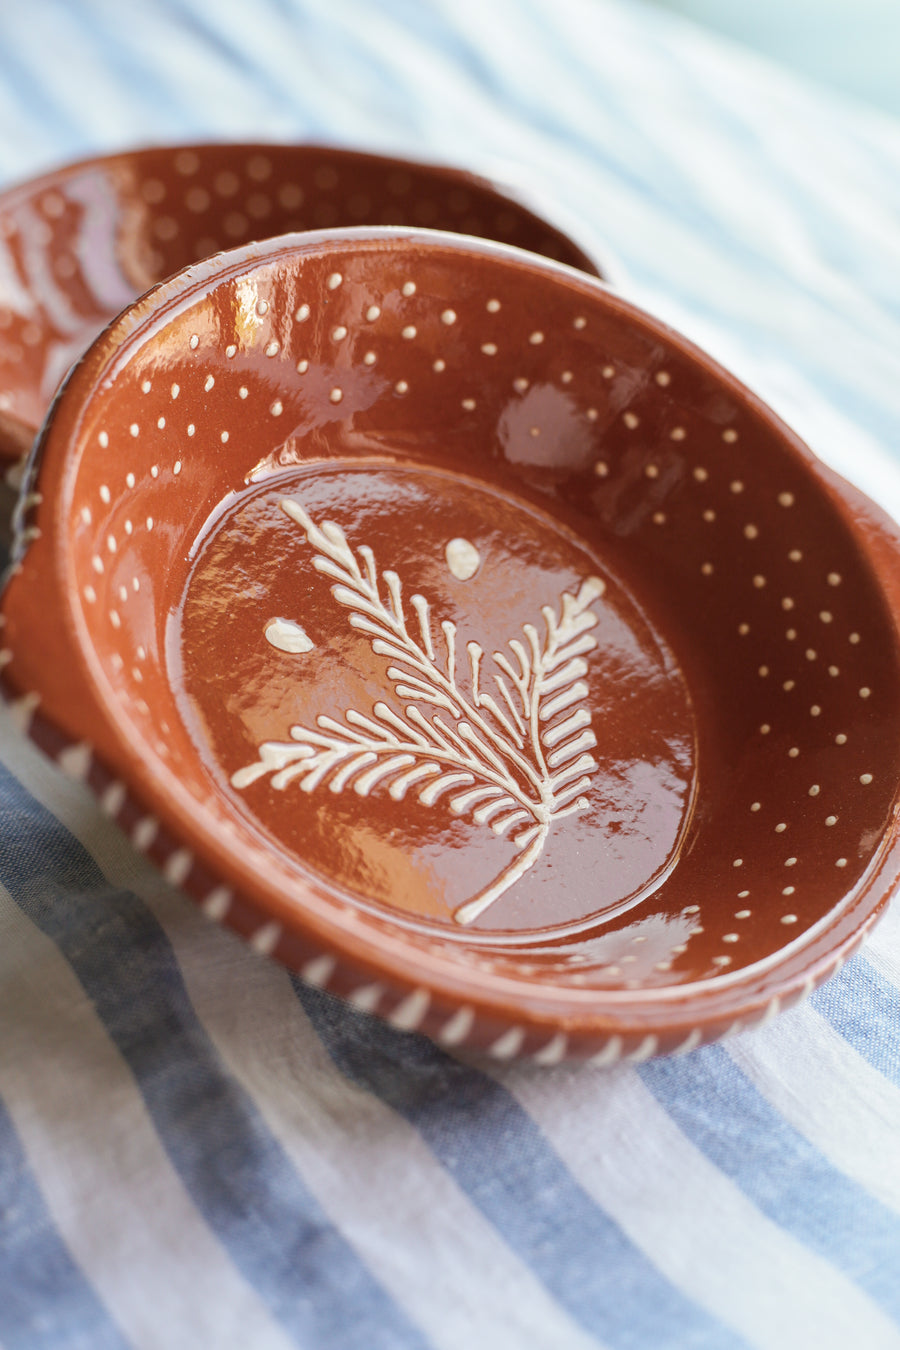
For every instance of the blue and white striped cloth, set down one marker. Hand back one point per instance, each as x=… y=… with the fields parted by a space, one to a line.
x=196 y=1152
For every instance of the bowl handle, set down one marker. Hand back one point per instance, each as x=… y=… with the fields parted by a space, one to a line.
x=44 y=676
x=15 y=439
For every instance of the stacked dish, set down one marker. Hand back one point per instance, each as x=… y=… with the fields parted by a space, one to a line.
x=85 y=240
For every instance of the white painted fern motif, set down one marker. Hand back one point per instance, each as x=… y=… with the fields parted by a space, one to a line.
x=515 y=760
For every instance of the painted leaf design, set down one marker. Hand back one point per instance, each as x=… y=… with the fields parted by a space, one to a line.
x=514 y=760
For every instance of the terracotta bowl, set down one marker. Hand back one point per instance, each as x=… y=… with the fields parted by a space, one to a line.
x=469 y=642
x=79 y=244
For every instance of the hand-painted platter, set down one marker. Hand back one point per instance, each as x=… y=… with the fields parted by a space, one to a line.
x=468 y=641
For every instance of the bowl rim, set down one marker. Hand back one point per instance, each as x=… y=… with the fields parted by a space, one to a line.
x=389 y=956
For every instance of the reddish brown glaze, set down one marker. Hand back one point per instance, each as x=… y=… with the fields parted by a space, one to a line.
x=82 y=242
x=493 y=647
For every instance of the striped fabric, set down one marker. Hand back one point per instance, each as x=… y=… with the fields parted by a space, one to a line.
x=198 y=1152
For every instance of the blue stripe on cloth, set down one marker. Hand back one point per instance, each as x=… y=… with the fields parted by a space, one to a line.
x=45 y=1301
x=864 y=1008
x=499 y=1157
x=721 y=1111
x=236 y=1172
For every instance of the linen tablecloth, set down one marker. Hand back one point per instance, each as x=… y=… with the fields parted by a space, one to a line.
x=196 y=1150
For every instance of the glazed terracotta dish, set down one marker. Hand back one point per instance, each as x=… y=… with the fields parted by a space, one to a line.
x=468 y=641
x=80 y=243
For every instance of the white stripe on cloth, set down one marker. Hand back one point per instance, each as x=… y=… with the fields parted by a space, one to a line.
x=122 y=98
x=371 y=1172
x=883 y=947
x=628 y=1154
x=828 y=1092
x=108 y=1184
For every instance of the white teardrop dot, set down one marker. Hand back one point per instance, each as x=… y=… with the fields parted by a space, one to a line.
x=288 y=636
x=463 y=559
